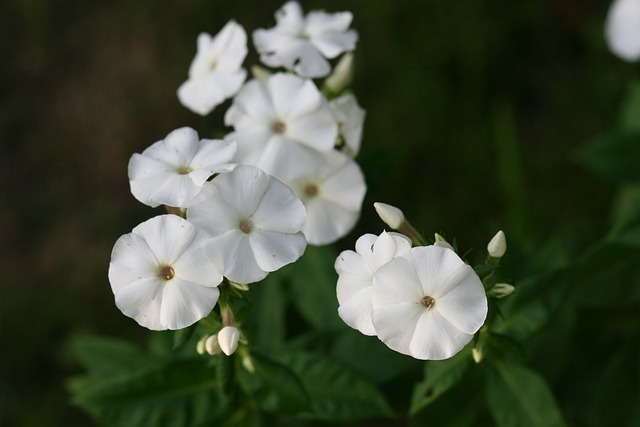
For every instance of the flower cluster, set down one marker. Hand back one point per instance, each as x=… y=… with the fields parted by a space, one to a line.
x=423 y=301
x=245 y=205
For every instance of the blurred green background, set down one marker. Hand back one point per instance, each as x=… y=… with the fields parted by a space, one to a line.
x=474 y=111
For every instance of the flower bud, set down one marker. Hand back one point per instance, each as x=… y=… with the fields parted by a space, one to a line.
x=501 y=290
x=390 y=215
x=498 y=245
x=440 y=241
x=200 y=346
x=228 y=338
x=478 y=354
x=260 y=74
x=342 y=74
x=212 y=345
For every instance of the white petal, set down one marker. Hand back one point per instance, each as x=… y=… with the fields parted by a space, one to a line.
x=333 y=44
x=278 y=48
x=243 y=188
x=131 y=260
x=465 y=305
x=345 y=186
x=364 y=248
x=253 y=104
x=146 y=175
x=193 y=266
x=395 y=324
x=396 y=282
x=350 y=117
x=289 y=17
x=273 y=250
x=353 y=275
x=622 y=29
x=318 y=131
x=312 y=64
x=233 y=251
x=435 y=338
x=180 y=145
x=142 y=301
x=357 y=312
x=327 y=221
x=439 y=269
x=232 y=42
x=251 y=144
x=201 y=94
x=177 y=190
x=214 y=156
x=293 y=97
x=210 y=211
x=320 y=22
x=279 y=210
x=168 y=236
x=184 y=303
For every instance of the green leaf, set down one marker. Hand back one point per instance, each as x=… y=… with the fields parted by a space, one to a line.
x=274 y=386
x=313 y=287
x=519 y=397
x=484 y=269
x=108 y=357
x=266 y=316
x=181 y=336
x=631 y=110
x=439 y=377
x=613 y=156
x=337 y=393
x=177 y=394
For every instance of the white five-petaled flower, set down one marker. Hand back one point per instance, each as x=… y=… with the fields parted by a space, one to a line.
x=332 y=188
x=216 y=72
x=255 y=222
x=274 y=122
x=350 y=117
x=428 y=303
x=302 y=43
x=355 y=276
x=171 y=171
x=622 y=29
x=159 y=275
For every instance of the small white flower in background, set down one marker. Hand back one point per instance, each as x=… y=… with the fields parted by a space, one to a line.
x=273 y=122
x=622 y=29
x=390 y=215
x=228 y=338
x=216 y=72
x=350 y=117
x=497 y=246
x=427 y=303
x=302 y=43
x=171 y=171
x=255 y=222
x=159 y=275
x=332 y=188
x=355 y=276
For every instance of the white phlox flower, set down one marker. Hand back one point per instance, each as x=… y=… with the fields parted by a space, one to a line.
x=171 y=171
x=255 y=222
x=159 y=275
x=622 y=29
x=332 y=188
x=216 y=72
x=350 y=117
x=273 y=122
x=355 y=276
x=427 y=303
x=302 y=43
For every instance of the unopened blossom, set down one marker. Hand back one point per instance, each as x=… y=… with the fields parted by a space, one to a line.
x=355 y=276
x=350 y=117
x=212 y=345
x=428 y=303
x=216 y=72
x=622 y=29
x=332 y=188
x=497 y=245
x=274 y=122
x=341 y=76
x=390 y=215
x=301 y=43
x=228 y=338
x=171 y=171
x=159 y=275
x=254 y=220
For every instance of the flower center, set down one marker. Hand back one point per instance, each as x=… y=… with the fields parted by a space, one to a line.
x=166 y=272
x=245 y=226
x=311 y=190
x=278 y=127
x=184 y=170
x=427 y=302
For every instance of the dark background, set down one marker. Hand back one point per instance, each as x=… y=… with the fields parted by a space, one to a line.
x=474 y=110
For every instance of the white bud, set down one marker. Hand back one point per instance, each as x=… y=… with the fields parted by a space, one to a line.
x=477 y=354
x=200 y=346
x=260 y=74
x=228 y=338
x=440 y=241
x=498 y=245
x=391 y=215
x=342 y=74
x=501 y=290
x=212 y=346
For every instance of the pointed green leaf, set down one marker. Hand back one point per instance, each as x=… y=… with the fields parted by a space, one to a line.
x=519 y=397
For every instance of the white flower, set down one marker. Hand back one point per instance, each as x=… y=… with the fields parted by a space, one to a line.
x=427 y=303
x=171 y=171
x=216 y=72
x=497 y=245
x=302 y=43
x=350 y=117
x=390 y=215
x=159 y=275
x=255 y=222
x=622 y=29
x=273 y=122
x=332 y=187
x=228 y=338
x=355 y=276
